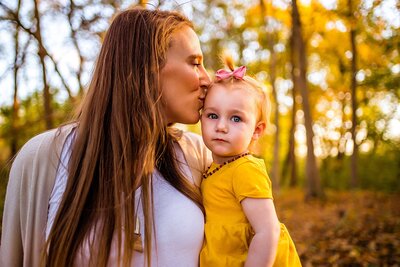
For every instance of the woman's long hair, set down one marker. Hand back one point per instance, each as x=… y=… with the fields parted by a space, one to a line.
x=121 y=137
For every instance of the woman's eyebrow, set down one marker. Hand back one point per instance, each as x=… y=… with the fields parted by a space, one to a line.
x=196 y=56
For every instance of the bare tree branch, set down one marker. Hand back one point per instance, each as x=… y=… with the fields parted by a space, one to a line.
x=76 y=45
x=14 y=17
x=15 y=106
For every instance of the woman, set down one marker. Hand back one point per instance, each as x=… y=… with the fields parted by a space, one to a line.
x=118 y=179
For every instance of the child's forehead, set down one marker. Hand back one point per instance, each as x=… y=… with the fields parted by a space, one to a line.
x=240 y=88
x=230 y=100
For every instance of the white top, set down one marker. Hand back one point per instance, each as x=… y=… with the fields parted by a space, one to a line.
x=179 y=223
x=60 y=183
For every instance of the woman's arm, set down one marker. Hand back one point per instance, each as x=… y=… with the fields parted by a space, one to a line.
x=262 y=216
x=11 y=248
x=27 y=198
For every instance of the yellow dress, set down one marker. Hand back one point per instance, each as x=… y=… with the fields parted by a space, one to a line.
x=228 y=233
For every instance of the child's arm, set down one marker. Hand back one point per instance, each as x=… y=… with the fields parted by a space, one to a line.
x=262 y=216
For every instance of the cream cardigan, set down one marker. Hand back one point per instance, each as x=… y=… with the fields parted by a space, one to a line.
x=31 y=181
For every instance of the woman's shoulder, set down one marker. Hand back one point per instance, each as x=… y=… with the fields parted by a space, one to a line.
x=191 y=137
x=196 y=153
x=194 y=142
x=42 y=144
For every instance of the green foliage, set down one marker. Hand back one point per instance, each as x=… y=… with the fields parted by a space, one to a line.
x=335 y=173
x=380 y=172
x=376 y=172
x=30 y=120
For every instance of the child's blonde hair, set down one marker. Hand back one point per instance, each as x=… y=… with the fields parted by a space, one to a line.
x=263 y=102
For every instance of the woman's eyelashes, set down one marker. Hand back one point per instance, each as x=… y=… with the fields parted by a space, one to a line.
x=196 y=63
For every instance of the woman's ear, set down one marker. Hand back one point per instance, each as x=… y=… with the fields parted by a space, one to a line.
x=259 y=130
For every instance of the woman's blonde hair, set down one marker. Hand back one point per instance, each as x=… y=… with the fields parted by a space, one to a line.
x=121 y=137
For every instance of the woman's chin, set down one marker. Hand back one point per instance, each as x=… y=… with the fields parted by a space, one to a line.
x=193 y=120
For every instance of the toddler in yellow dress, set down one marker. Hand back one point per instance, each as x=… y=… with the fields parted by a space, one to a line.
x=242 y=228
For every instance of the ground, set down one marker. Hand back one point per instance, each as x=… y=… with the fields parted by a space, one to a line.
x=349 y=228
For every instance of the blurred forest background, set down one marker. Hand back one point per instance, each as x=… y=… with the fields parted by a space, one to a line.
x=333 y=71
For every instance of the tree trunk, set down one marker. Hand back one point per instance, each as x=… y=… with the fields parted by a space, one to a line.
x=292 y=162
x=271 y=36
x=15 y=107
x=48 y=112
x=314 y=189
x=354 y=155
x=292 y=141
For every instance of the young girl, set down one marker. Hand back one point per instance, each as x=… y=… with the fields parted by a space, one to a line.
x=242 y=228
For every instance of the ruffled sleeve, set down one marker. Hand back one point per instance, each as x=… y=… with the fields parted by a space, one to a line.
x=250 y=179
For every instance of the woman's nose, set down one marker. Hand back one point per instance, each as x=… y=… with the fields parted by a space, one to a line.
x=205 y=82
x=204 y=77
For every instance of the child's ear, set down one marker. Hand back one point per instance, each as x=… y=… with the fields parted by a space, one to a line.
x=259 y=130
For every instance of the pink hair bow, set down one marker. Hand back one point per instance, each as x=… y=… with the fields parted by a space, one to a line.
x=237 y=73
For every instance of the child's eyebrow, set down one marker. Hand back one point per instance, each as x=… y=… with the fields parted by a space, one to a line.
x=237 y=111
x=232 y=111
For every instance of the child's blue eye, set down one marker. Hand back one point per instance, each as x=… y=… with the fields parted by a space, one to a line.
x=236 y=119
x=212 y=116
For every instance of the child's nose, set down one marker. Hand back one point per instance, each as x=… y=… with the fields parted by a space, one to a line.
x=222 y=126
